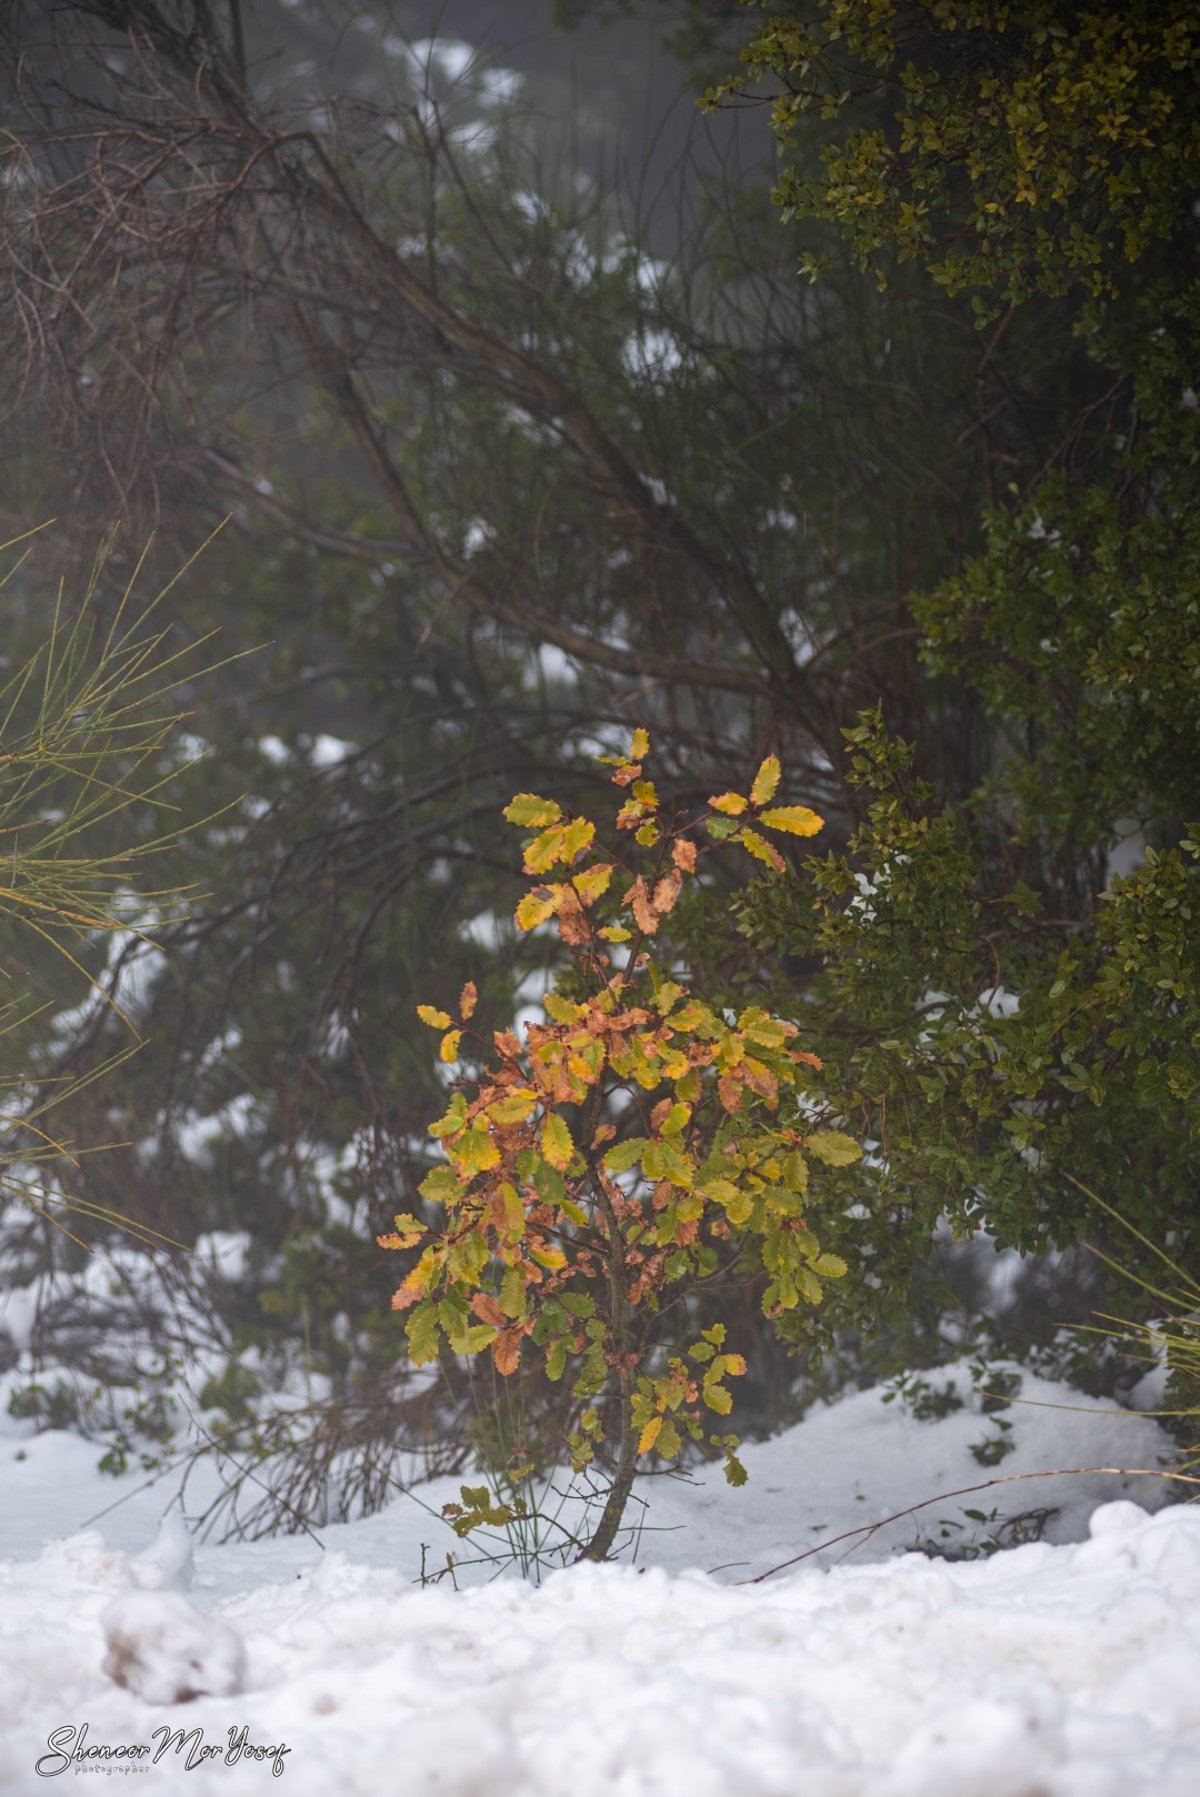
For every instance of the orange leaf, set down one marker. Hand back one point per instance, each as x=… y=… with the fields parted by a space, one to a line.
x=644 y=913
x=730 y=1092
x=683 y=854
x=666 y=892
x=574 y=925
x=506 y=1350
x=487 y=1310
x=468 y=1001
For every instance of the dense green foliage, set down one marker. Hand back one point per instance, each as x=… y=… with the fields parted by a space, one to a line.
x=1015 y=146
x=1017 y=1014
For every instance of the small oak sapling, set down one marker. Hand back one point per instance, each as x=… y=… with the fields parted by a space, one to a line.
x=639 y=1144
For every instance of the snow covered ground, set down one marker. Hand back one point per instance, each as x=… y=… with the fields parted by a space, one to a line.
x=1065 y=1667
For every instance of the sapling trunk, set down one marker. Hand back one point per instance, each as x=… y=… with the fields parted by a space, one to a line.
x=601 y=1543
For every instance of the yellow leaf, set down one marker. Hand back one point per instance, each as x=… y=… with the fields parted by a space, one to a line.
x=649 y=1435
x=514 y=1107
x=468 y=1001
x=448 y=1051
x=534 y=813
x=437 y=1020
x=766 y=781
x=561 y=1009
x=557 y=1146
x=550 y=1258
x=403 y=1242
x=593 y=882
x=761 y=849
x=474 y=1151
x=645 y=792
x=639 y=747
x=416 y=1283
x=577 y=836
x=536 y=907
x=731 y=803
x=545 y=850
x=796 y=820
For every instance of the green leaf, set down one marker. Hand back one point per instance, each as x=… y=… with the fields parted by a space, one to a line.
x=668 y=1443
x=735 y=1472
x=809 y=1286
x=475 y=1151
x=664 y=1160
x=514 y=1209
x=624 y=1155
x=442 y=1186
x=453 y=1120
x=835 y=1149
x=422 y=1332
x=532 y=812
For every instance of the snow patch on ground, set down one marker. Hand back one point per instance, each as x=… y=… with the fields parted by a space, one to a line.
x=1069 y=1670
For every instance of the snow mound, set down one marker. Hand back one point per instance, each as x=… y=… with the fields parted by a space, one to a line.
x=164 y=1650
x=1043 y=1672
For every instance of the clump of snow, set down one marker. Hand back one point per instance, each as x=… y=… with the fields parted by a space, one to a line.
x=164 y=1650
